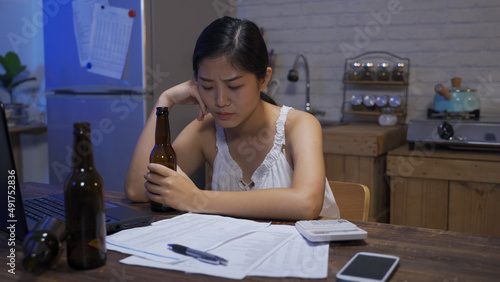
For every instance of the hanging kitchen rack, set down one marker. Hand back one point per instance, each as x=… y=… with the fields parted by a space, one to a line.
x=394 y=85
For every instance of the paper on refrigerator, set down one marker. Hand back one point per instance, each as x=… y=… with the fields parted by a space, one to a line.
x=109 y=40
x=83 y=17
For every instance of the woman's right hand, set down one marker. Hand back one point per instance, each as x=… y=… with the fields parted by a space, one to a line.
x=185 y=93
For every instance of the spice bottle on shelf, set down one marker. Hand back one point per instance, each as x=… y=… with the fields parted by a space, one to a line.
x=84 y=204
x=383 y=72
x=354 y=72
x=357 y=102
x=367 y=72
x=381 y=101
x=398 y=72
x=396 y=103
x=369 y=102
x=162 y=153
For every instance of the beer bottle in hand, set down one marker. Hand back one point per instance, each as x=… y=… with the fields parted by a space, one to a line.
x=162 y=153
x=84 y=201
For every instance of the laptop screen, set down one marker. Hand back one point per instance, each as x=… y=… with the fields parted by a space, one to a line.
x=12 y=218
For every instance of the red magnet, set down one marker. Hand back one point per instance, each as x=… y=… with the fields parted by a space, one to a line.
x=131 y=13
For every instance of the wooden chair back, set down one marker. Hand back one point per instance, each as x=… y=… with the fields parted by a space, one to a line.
x=353 y=200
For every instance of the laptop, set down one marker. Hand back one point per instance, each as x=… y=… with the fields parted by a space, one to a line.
x=20 y=216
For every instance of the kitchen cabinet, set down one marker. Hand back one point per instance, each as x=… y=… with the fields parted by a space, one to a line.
x=445 y=189
x=356 y=152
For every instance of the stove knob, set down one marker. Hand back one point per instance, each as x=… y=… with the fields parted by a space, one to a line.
x=445 y=131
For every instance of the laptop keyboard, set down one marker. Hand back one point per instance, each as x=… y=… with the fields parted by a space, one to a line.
x=38 y=208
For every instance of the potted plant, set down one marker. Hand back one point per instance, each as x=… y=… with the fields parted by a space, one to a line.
x=11 y=79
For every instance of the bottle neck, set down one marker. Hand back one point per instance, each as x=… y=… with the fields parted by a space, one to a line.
x=162 y=136
x=83 y=155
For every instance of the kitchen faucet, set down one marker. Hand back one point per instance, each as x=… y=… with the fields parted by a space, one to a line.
x=293 y=76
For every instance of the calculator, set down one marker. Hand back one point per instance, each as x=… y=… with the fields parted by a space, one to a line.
x=330 y=230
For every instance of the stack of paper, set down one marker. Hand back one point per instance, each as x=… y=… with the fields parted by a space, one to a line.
x=252 y=248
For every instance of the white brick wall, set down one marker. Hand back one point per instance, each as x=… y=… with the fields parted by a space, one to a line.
x=442 y=38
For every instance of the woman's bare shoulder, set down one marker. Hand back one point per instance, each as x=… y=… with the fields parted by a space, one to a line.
x=300 y=120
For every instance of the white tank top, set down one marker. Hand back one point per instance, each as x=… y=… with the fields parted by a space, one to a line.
x=274 y=172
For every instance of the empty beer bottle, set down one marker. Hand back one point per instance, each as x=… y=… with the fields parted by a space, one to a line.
x=43 y=245
x=84 y=200
x=162 y=153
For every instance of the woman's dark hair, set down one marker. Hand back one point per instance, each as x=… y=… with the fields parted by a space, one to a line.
x=239 y=41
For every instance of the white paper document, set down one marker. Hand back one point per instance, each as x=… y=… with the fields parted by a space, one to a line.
x=297 y=258
x=197 y=231
x=251 y=248
x=109 y=40
x=83 y=17
x=243 y=254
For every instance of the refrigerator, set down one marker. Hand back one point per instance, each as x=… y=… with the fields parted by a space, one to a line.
x=162 y=38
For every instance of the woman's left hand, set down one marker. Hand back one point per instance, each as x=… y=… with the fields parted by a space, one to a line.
x=172 y=188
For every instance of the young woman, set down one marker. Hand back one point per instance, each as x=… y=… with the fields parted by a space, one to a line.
x=251 y=143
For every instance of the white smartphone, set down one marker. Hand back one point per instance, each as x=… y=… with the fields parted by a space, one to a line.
x=368 y=267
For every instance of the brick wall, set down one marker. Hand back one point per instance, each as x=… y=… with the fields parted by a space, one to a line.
x=442 y=38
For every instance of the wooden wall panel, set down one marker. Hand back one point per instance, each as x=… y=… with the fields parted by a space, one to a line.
x=474 y=208
x=380 y=191
x=435 y=166
x=334 y=167
x=351 y=169
x=368 y=171
x=419 y=202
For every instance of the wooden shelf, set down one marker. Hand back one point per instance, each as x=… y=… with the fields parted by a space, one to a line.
x=368 y=113
x=375 y=82
x=29 y=129
x=399 y=88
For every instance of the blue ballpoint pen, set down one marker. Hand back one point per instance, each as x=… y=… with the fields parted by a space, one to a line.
x=202 y=256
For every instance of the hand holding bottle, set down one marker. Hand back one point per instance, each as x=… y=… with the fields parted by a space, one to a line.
x=173 y=188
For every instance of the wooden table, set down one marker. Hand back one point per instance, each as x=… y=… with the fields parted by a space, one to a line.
x=426 y=255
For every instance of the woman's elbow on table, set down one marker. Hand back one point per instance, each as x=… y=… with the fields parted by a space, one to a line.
x=309 y=209
x=134 y=194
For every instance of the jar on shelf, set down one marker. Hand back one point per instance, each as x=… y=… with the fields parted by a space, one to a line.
x=396 y=103
x=354 y=71
x=369 y=102
x=398 y=72
x=381 y=101
x=383 y=73
x=357 y=102
x=367 y=72
x=387 y=117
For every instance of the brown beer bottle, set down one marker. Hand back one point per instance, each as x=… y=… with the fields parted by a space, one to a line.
x=43 y=245
x=84 y=201
x=162 y=153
